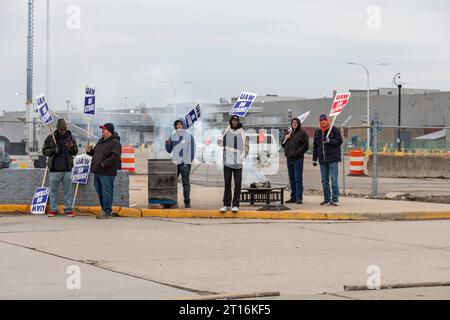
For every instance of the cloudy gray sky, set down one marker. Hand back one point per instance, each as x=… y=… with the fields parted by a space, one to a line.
x=288 y=47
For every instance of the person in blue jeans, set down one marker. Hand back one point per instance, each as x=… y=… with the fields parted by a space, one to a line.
x=327 y=150
x=60 y=163
x=105 y=163
x=295 y=145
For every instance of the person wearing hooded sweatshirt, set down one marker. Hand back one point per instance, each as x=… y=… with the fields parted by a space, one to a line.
x=104 y=165
x=60 y=164
x=327 y=149
x=235 y=148
x=182 y=146
x=295 y=145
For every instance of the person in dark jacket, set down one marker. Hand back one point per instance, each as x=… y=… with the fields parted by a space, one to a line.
x=295 y=145
x=60 y=164
x=327 y=149
x=182 y=144
x=105 y=163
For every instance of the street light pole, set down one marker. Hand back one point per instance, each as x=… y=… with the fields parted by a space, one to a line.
x=368 y=95
x=174 y=96
x=399 y=122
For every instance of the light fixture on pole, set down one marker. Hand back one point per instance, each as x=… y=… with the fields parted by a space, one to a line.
x=368 y=95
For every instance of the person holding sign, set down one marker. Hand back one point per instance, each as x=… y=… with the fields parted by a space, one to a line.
x=182 y=146
x=60 y=164
x=235 y=148
x=105 y=162
x=327 y=150
x=295 y=145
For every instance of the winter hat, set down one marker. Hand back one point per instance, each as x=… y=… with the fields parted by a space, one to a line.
x=323 y=116
x=61 y=124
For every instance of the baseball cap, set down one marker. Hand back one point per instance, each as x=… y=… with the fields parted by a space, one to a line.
x=108 y=126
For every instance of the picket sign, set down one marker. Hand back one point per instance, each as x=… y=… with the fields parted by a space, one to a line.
x=39 y=202
x=80 y=172
x=302 y=118
x=192 y=116
x=340 y=101
x=243 y=104
x=40 y=197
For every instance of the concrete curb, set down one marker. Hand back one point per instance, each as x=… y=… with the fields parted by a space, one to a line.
x=215 y=214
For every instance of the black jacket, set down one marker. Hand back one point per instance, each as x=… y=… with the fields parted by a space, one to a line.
x=49 y=149
x=327 y=152
x=296 y=146
x=106 y=156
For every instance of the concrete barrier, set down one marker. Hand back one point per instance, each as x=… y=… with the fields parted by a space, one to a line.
x=390 y=166
x=17 y=186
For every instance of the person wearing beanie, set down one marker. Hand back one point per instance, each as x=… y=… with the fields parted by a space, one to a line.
x=295 y=145
x=182 y=147
x=60 y=164
x=327 y=151
x=235 y=149
x=105 y=163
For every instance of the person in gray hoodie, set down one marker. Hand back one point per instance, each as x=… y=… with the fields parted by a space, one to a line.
x=235 y=149
x=182 y=146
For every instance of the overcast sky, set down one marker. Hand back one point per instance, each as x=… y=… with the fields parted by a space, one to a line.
x=288 y=47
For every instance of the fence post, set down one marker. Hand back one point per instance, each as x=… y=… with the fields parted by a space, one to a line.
x=375 y=156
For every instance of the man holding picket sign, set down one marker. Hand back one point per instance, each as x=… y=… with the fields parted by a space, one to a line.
x=60 y=163
x=182 y=147
x=295 y=145
x=235 y=149
x=327 y=150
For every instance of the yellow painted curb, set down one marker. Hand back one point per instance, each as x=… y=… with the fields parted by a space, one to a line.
x=17 y=208
x=214 y=214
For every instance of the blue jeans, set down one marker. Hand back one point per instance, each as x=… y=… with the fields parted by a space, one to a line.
x=295 y=170
x=104 y=186
x=330 y=171
x=66 y=179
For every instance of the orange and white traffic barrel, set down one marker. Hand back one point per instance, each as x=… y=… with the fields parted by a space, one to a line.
x=357 y=162
x=128 y=159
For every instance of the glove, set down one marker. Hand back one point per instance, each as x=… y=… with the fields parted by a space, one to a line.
x=315 y=163
x=327 y=139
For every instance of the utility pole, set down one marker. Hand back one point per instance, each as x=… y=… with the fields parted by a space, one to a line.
x=29 y=101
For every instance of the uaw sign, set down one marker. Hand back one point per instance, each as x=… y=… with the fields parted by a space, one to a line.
x=81 y=169
x=192 y=116
x=39 y=202
x=340 y=101
x=243 y=104
x=43 y=109
x=89 y=101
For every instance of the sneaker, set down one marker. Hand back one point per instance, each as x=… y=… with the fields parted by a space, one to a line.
x=299 y=202
x=224 y=209
x=235 y=209
x=187 y=204
x=325 y=203
x=52 y=214
x=70 y=214
x=290 y=201
x=104 y=215
x=335 y=203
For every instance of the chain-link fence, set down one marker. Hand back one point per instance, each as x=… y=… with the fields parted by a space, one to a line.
x=377 y=161
x=401 y=161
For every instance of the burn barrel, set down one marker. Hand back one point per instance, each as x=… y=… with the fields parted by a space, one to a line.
x=162 y=182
